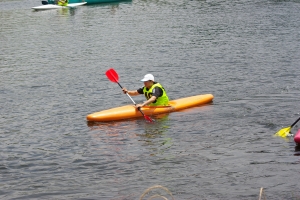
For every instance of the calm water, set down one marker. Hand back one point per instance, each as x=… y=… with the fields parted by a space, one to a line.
x=53 y=64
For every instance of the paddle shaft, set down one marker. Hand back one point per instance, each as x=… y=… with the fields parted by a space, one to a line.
x=127 y=94
x=130 y=97
x=113 y=76
x=295 y=122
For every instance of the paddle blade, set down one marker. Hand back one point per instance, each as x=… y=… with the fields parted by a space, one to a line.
x=283 y=132
x=148 y=119
x=112 y=75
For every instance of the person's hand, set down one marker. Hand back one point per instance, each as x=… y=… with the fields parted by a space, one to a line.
x=125 y=90
x=137 y=106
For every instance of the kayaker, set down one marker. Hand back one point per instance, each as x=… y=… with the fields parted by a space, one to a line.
x=62 y=2
x=153 y=91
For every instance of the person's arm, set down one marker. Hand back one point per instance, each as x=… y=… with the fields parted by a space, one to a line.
x=149 y=101
x=132 y=93
x=157 y=93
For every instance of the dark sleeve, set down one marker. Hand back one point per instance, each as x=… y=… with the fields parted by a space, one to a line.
x=140 y=91
x=157 y=92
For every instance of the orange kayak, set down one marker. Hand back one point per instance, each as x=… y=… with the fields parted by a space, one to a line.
x=129 y=111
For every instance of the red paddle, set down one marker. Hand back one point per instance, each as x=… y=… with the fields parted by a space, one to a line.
x=113 y=76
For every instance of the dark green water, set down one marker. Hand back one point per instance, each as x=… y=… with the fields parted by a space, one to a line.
x=53 y=63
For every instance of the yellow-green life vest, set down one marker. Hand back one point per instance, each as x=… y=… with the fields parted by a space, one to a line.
x=160 y=101
x=62 y=2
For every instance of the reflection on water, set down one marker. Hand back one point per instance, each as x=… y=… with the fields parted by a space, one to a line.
x=67 y=11
x=152 y=130
x=154 y=138
x=297 y=150
x=155 y=135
